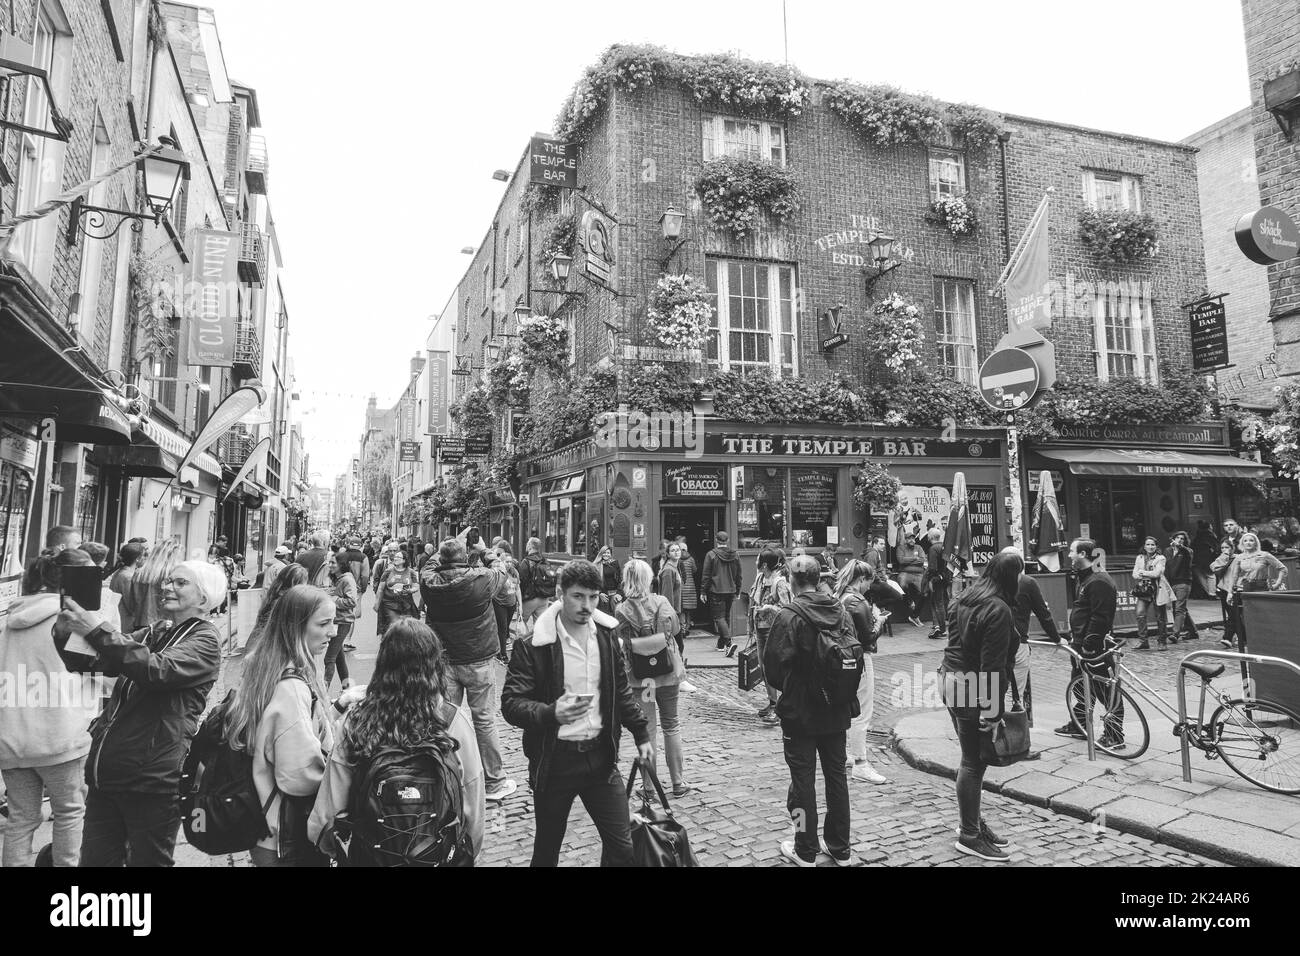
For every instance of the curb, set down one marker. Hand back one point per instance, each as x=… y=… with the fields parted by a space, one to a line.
x=1118 y=821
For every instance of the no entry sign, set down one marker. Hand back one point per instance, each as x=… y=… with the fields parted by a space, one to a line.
x=1008 y=379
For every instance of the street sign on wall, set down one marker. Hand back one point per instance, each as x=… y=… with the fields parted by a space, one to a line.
x=553 y=163
x=438 y=382
x=1008 y=379
x=408 y=451
x=1209 y=321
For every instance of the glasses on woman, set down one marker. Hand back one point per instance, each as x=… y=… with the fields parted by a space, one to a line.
x=174 y=582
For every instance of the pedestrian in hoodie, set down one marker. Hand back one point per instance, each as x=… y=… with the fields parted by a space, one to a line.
x=164 y=673
x=459 y=604
x=811 y=729
x=720 y=582
x=537 y=581
x=43 y=738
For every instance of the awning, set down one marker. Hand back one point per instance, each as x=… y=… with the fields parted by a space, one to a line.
x=155 y=452
x=175 y=445
x=43 y=376
x=1149 y=463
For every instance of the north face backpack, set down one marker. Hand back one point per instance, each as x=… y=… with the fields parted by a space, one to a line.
x=220 y=810
x=406 y=810
x=837 y=660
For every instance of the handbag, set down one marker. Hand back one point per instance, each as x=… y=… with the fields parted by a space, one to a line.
x=1165 y=593
x=658 y=840
x=1007 y=741
x=1144 y=589
x=749 y=671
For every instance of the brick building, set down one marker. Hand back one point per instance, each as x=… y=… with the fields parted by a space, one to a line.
x=1229 y=186
x=640 y=157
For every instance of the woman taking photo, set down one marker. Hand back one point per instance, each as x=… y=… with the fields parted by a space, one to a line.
x=641 y=614
x=851 y=586
x=343 y=589
x=977 y=662
x=1251 y=570
x=770 y=591
x=279 y=715
x=144 y=590
x=1148 y=569
x=398 y=592
x=404 y=708
x=611 y=578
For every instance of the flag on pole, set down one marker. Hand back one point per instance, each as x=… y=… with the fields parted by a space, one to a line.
x=255 y=458
x=956 y=538
x=237 y=404
x=1046 y=529
x=1026 y=281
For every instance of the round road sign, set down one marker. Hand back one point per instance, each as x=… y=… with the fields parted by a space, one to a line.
x=1008 y=379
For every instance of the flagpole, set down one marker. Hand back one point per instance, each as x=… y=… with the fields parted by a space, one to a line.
x=1013 y=483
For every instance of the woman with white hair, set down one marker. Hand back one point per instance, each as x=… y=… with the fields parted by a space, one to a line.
x=164 y=673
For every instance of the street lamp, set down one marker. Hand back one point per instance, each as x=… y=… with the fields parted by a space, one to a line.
x=671 y=222
x=879 y=246
x=560 y=266
x=493 y=352
x=163 y=168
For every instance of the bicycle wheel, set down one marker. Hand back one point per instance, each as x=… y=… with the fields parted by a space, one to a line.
x=1260 y=741
x=1118 y=725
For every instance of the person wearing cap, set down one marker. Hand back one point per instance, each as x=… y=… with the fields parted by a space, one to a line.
x=279 y=561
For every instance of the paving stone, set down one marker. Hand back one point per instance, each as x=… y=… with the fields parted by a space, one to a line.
x=1036 y=788
x=1234 y=842
x=1083 y=801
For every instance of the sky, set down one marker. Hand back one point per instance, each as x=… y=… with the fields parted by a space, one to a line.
x=384 y=124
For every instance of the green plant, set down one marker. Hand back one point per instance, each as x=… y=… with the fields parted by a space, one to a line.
x=1120 y=236
x=472 y=412
x=885 y=115
x=874 y=488
x=544 y=343
x=559 y=237
x=680 y=312
x=508 y=379
x=735 y=190
x=978 y=126
x=957 y=213
x=1282 y=430
x=894 y=329
x=154 y=308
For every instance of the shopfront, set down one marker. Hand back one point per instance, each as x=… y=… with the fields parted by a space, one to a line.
x=788 y=486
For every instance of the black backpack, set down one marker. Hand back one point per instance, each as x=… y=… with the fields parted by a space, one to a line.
x=544 y=580
x=837 y=661
x=220 y=810
x=405 y=809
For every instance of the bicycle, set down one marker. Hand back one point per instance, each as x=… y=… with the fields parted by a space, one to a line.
x=1258 y=739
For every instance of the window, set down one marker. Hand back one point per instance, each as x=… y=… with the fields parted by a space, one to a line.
x=754 y=316
x=166 y=391
x=814 y=506
x=40 y=161
x=92 y=250
x=176 y=213
x=558 y=513
x=1125 y=335
x=760 y=515
x=15 y=498
x=954 y=326
x=947 y=173
x=1105 y=191
x=752 y=139
x=1114 y=510
x=808 y=496
x=487 y=288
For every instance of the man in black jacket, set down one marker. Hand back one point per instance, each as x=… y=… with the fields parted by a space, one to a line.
x=1029 y=602
x=810 y=728
x=1091 y=618
x=720 y=582
x=568 y=689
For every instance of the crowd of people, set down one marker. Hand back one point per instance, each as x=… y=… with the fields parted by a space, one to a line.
x=591 y=648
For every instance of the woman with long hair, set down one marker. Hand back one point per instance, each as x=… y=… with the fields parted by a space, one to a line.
x=974 y=677
x=277 y=716
x=670 y=586
x=1253 y=569
x=144 y=592
x=611 y=578
x=770 y=592
x=292 y=576
x=397 y=592
x=851 y=586
x=343 y=588
x=641 y=614
x=404 y=707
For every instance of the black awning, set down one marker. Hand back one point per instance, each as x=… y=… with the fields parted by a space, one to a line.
x=40 y=378
x=144 y=460
x=1146 y=463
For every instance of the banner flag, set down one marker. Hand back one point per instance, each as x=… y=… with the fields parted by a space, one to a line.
x=1026 y=281
x=255 y=458
x=237 y=404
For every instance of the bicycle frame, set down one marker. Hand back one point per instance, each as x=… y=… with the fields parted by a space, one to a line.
x=1087 y=688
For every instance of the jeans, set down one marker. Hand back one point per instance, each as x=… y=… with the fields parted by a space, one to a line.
x=801 y=755
x=970 y=774
x=761 y=635
x=1113 y=721
x=1231 y=623
x=503 y=612
x=867 y=705
x=939 y=597
x=1183 y=620
x=1020 y=669
x=1144 y=608
x=593 y=778
x=720 y=610
x=479 y=681
x=910 y=582
x=130 y=829
x=662 y=702
x=66 y=783
x=335 y=655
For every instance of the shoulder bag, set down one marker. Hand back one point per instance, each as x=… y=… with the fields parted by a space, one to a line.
x=1144 y=589
x=650 y=655
x=658 y=840
x=1007 y=741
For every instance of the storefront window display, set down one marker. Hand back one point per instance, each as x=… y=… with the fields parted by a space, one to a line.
x=790 y=507
x=761 y=514
x=15 y=498
x=1113 y=511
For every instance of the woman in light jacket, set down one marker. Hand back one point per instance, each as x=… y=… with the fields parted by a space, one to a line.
x=343 y=589
x=404 y=705
x=851 y=585
x=1148 y=569
x=643 y=612
x=282 y=717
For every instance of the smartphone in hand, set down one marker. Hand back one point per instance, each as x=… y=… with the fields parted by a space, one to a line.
x=83 y=584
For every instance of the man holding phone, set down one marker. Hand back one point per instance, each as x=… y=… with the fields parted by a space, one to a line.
x=568 y=689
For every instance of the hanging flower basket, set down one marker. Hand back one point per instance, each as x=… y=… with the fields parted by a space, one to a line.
x=955 y=212
x=680 y=312
x=544 y=343
x=508 y=380
x=874 y=488
x=737 y=191
x=1119 y=236
x=895 y=329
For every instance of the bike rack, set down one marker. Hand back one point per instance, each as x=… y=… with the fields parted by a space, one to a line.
x=1183 y=744
x=1087 y=688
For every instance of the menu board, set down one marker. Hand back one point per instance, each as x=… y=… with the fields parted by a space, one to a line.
x=982 y=500
x=812 y=496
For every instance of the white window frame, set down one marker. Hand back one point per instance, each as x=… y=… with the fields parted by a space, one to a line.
x=938 y=186
x=772 y=145
x=92 y=250
x=717 y=270
x=954 y=309
x=1130 y=189
x=1137 y=314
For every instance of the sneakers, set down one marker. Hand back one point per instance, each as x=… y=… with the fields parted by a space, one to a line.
x=1108 y=742
x=501 y=790
x=1069 y=730
x=850 y=860
x=864 y=771
x=1225 y=643
x=982 y=848
x=788 y=851
x=768 y=715
x=988 y=835
x=682 y=789
x=915 y=621
x=1144 y=646
x=731 y=648
x=686 y=687
x=935 y=636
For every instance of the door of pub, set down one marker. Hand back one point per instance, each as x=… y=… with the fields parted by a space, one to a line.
x=699 y=523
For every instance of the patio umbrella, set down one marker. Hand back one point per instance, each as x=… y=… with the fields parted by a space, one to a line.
x=1047 y=529
x=956 y=538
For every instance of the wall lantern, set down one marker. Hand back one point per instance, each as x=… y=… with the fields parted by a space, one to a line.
x=671 y=221
x=164 y=167
x=879 y=246
x=560 y=266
